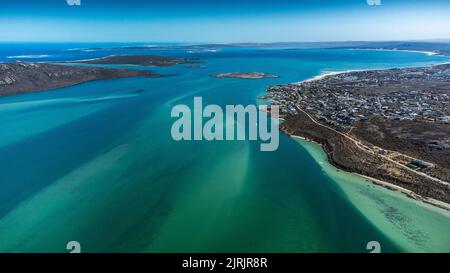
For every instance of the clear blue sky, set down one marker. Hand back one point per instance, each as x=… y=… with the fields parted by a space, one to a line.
x=223 y=21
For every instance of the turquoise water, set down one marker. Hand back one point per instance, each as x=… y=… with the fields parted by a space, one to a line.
x=95 y=163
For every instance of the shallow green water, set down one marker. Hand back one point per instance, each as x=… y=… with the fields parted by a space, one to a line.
x=96 y=163
x=401 y=219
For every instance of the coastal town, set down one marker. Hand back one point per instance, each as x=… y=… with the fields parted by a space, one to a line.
x=391 y=124
x=340 y=99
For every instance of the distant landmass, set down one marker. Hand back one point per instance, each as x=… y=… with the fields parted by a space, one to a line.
x=245 y=75
x=438 y=47
x=143 y=60
x=435 y=46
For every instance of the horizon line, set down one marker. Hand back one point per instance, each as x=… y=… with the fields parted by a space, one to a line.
x=436 y=40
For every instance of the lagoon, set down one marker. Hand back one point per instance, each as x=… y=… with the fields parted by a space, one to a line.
x=76 y=165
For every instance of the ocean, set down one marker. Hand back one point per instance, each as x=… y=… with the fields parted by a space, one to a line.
x=95 y=163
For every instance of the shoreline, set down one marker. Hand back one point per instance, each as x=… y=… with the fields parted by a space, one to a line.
x=384 y=184
x=324 y=74
x=429 y=53
x=375 y=181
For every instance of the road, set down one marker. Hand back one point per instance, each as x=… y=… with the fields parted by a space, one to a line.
x=369 y=150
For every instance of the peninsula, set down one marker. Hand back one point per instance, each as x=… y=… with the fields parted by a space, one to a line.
x=392 y=125
x=245 y=75
x=22 y=77
x=142 y=60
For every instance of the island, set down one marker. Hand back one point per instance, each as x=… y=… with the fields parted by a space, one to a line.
x=23 y=77
x=244 y=75
x=142 y=60
x=196 y=66
x=390 y=125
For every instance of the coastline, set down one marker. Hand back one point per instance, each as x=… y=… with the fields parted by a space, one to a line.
x=333 y=73
x=325 y=74
x=409 y=193
x=384 y=184
x=429 y=53
x=328 y=73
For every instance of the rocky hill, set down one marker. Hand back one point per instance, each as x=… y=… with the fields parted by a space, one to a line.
x=21 y=77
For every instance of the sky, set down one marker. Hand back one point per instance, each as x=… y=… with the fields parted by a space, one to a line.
x=223 y=21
